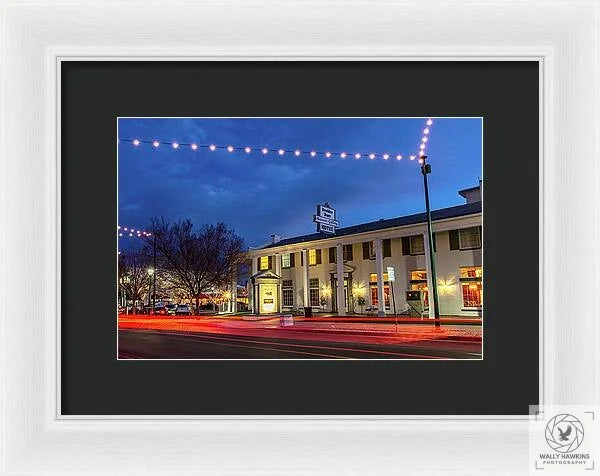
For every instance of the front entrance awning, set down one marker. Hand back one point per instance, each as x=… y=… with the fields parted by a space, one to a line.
x=266 y=274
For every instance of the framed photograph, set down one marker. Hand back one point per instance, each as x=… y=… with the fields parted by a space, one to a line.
x=311 y=242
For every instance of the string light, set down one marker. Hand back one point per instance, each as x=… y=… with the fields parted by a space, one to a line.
x=124 y=230
x=424 y=140
x=296 y=152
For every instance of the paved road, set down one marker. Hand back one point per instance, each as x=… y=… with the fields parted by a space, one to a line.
x=153 y=344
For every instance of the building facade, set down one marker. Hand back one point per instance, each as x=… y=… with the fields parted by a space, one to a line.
x=295 y=273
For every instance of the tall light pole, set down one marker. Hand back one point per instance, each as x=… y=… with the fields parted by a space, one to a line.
x=154 y=275
x=150 y=275
x=425 y=170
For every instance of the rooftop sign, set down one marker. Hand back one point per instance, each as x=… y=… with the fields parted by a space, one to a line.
x=325 y=219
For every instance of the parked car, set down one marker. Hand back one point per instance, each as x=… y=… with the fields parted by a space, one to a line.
x=170 y=309
x=183 y=310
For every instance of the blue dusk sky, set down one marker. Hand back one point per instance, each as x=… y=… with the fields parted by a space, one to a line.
x=258 y=195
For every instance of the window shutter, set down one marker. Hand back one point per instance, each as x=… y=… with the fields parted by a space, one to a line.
x=453 y=235
x=481 y=235
x=387 y=248
x=332 y=255
x=434 y=242
x=292 y=260
x=319 y=256
x=366 y=254
x=405 y=245
x=301 y=258
x=270 y=262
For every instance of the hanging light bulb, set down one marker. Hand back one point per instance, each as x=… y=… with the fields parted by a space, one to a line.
x=136 y=142
x=422 y=146
x=175 y=145
x=155 y=143
x=426 y=131
x=194 y=146
x=386 y=156
x=264 y=150
x=229 y=148
x=327 y=154
x=371 y=156
x=357 y=156
x=343 y=155
x=297 y=153
x=247 y=150
x=429 y=122
x=424 y=139
x=398 y=157
x=212 y=147
x=281 y=151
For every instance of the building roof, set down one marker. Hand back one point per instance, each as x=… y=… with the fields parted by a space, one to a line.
x=463 y=193
x=444 y=213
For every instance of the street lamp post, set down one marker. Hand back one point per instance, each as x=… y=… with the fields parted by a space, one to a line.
x=150 y=275
x=425 y=170
x=154 y=275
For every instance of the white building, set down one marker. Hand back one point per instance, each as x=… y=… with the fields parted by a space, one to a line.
x=294 y=273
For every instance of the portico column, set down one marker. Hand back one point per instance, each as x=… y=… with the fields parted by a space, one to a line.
x=305 y=276
x=278 y=273
x=234 y=294
x=341 y=306
x=252 y=289
x=379 y=268
x=429 y=276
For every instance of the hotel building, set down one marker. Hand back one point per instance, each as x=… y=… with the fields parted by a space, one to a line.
x=346 y=272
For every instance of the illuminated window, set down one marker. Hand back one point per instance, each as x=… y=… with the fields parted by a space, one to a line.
x=418 y=275
x=287 y=293
x=312 y=257
x=264 y=263
x=375 y=299
x=472 y=294
x=373 y=277
x=418 y=282
x=285 y=260
x=314 y=296
x=472 y=289
x=471 y=272
x=469 y=238
x=417 y=245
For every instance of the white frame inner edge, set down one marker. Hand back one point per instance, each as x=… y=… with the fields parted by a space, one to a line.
x=36 y=35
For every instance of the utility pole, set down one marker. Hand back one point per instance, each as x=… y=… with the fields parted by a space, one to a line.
x=425 y=170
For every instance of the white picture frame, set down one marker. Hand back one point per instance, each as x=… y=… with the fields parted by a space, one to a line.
x=36 y=35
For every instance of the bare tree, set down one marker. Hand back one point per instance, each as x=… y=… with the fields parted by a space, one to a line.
x=133 y=275
x=196 y=262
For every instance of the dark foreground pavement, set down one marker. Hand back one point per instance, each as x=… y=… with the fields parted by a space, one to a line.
x=173 y=344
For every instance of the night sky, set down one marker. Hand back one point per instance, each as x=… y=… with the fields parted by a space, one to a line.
x=258 y=195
